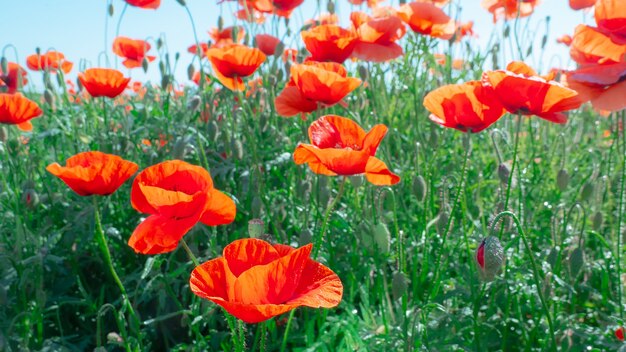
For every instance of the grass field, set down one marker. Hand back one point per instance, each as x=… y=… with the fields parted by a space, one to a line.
x=413 y=267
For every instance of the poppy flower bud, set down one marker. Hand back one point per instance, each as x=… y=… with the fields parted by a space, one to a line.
x=237 y=147
x=330 y=7
x=4 y=134
x=442 y=221
x=489 y=258
x=182 y=2
x=619 y=333
x=562 y=179
x=79 y=84
x=194 y=103
x=399 y=285
x=38 y=50
x=180 y=148
x=162 y=68
x=356 y=181
x=165 y=82
x=280 y=49
x=59 y=78
x=382 y=237
x=587 y=191
x=220 y=22
x=306 y=237
x=46 y=81
x=364 y=234
x=114 y=338
x=598 y=220
x=419 y=188
x=507 y=30
x=4 y=64
x=576 y=261
x=256 y=228
x=303 y=188
x=363 y=72
x=159 y=43
x=256 y=207
x=213 y=131
x=434 y=138
x=30 y=198
x=190 y=71
x=144 y=64
x=111 y=10
x=48 y=97
x=235 y=34
x=504 y=172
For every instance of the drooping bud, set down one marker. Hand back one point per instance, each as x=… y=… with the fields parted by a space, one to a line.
x=220 y=22
x=159 y=43
x=30 y=198
x=562 y=179
x=213 y=131
x=382 y=237
x=306 y=236
x=144 y=64
x=111 y=10
x=598 y=220
x=48 y=97
x=576 y=261
x=419 y=188
x=442 y=222
x=330 y=7
x=194 y=103
x=363 y=72
x=182 y=2
x=256 y=228
x=489 y=258
x=191 y=69
x=4 y=64
x=504 y=172
x=399 y=285
x=587 y=191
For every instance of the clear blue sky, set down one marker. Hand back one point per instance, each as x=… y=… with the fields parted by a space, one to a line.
x=77 y=27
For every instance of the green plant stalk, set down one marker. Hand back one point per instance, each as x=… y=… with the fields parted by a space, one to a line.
x=518 y=128
x=619 y=221
x=283 y=345
x=102 y=242
x=262 y=344
x=192 y=256
x=317 y=244
x=533 y=265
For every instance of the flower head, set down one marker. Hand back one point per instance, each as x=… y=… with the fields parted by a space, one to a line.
x=103 y=82
x=15 y=109
x=232 y=62
x=50 y=61
x=14 y=78
x=133 y=51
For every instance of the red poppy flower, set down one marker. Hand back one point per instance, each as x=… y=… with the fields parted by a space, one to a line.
x=509 y=9
x=591 y=45
x=427 y=19
x=619 y=333
x=522 y=91
x=103 y=82
x=176 y=195
x=329 y=43
x=50 y=61
x=313 y=84
x=467 y=107
x=14 y=78
x=233 y=62
x=132 y=50
x=284 y=8
x=267 y=43
x=610 y=17
x=341 y=147
x=227 y=36
x=94 y=173
x=581 y=4
x=250 y=15
x=377 y=37
x=255 y=281
x=145 y=4
x=15 y=109
x=603 y=85
x=193 y=49
x=196 y=78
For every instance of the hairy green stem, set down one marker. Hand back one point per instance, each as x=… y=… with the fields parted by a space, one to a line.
x=317 y=244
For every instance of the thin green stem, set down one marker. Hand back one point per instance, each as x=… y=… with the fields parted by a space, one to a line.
x=513 y=165
x=619 y=221
x=533 y=265
x=320 y=237
x=262 y=344
x=283 y=345
x=192 y=256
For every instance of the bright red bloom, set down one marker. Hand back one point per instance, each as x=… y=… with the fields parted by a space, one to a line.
x=467 y=107
x=15 y=109
x=341 y=147
x=145 y=4
x=313 y=84
x=619 y=333
x=196 y=78
x=329 y=43
x=603 y=85
x=522 y=91
x=50 y=61
x=193 y=49
x=94 y=173
x=176 y=195
x=377 y=37
x=132 y=50
x=591 y=45
x=14 y=79
x=255 y=280
x=581 y=4
x=103 y=82
x=227 y=36
x=232 y=62
x=267 y=43
x=428 y=19
x=284 y=8
x=610 y=16
x=509 y=9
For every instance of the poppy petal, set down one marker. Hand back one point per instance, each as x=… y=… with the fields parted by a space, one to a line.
x=290 y=102
x=612 y=99
x=373 y=138
x=377 y=173
x=375 y=52
x=243 y=254
x=160 y=234
x=338 y=161
x=319 y=287
x=332 y=131
x=220 y=210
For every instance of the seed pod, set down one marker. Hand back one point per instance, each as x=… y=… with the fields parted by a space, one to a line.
x=489 y=258
x=587 y=191
x=306 y=237
x=48 y=97
x=194 y=103
x=363 y=72
x=399 y=285
x=30 y=198
x=442 y=221
x=4 y=65
x=256 y=228
x=562 y=179
x=213 y=131
x=237 y=149
x=191 y=69
x=144 y=64
x=220 y=22
x=504 y=172
x=356 y=181
x=598 y=220
x=180 y=148
x=165 y=82
x=382 y=237
x=159 y=43
x=111 y=10
x=419 y=188
x=256 y=207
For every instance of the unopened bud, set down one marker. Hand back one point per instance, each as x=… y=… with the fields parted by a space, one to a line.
x=587 y=191
x=111 y=10
x=363 y=72
x=220 y=22
x=256 y=228
x=442 y=222
x=115 y=338
x=48 y=97
x=235 y=34
x=30 y=198
x=159 y=43
x=180 y=148
x=194 y=103
x=165 y=82
x=330 y=7
x=280 y=49
x=190 y=71
x=489 y=258
x=306 y=236
x=562 y=179
x=419 y=188
x=213 y=131
x=399 y=285
x=4 y=65
x=504 y=172
x=182 y=2
x=598 y=220
x=237 y=149
x=4 y=134
x=144 y=64
x=382 y=237
x=162 y=68
x=576 y=261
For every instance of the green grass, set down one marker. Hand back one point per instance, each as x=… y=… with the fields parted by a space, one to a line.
x=56 y=292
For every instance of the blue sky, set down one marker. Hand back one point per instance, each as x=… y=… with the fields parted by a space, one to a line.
x=77 y=27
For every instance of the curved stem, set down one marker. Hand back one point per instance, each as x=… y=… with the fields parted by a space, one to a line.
x=317 y=244
x=192 y=256
x=283 y=345
x=513 y=164
x=533 y=265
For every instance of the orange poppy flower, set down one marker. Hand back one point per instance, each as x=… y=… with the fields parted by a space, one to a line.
x=193 y=49
x=255 y=280
x=591 y=45
x=312 y=84
x=509 y=9
x=176 y=195
x=581 y=4
x=103 y=82
x=565 y=39
x=323 y=19
x=267 y=43
x=428 y=19
x=132 y=50
x=522 y=91
x=145 y=4
x=94 y=173
x=283 y=8
x=329 y=43
x=15 y=109
x=196 y=78
x=341 y=147
x=603 y=85
x=226 y=36
x=467 y=107
x=377 y=37
x=610 y=17
x=232 y=62
x=14 y=78
x=250 y=15
x=50 y=61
